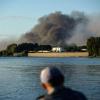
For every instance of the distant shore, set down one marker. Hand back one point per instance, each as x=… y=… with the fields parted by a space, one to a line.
x=62 y=54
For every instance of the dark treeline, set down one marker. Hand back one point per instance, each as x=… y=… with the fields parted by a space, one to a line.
x=75 y=48
x=93 y=46
x=32 y=47
x=23 y=49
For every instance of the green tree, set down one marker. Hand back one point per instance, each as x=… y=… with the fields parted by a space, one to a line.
x=3 y=53
x=11 y=49
x=93 y=46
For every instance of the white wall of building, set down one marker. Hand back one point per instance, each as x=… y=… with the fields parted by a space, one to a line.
x=57 y=49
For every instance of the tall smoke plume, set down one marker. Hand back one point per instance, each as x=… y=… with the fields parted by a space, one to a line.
x=54 y=29
x=61 y=29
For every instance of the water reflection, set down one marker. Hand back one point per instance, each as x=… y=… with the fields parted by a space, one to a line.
x=93 y=69
x=93 y=73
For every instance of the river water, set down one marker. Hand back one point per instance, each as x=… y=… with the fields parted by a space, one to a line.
x=19 y=76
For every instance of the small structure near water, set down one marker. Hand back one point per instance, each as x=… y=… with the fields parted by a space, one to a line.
x=57 y=49
x=84 y=50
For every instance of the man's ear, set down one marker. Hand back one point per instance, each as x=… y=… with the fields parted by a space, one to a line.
x=44 y=86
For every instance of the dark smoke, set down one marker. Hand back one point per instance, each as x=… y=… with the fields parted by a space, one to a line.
x=60 y=29
x=54 y=29
x=80 y=32
x=89 y=26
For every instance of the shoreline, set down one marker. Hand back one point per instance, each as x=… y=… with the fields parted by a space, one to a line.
x=61 y=54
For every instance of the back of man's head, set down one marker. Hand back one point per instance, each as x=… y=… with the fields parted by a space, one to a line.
x=53 y=76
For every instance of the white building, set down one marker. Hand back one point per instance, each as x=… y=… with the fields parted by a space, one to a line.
x=57 y=49
x=84 y=50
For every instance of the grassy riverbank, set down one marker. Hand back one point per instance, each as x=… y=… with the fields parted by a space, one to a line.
x=62 y=54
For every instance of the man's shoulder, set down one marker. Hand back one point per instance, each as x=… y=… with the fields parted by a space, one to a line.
x=66 y=94
x=76 y=94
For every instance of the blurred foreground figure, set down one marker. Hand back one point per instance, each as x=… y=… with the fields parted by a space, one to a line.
x=53 y=81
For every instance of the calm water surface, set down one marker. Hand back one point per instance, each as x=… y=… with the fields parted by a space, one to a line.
x=19 y=77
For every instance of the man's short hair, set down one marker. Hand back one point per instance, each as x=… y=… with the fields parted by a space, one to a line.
x=53 y=76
